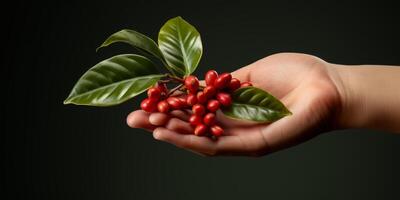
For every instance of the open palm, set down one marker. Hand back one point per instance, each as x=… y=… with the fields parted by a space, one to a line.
x=305 y=84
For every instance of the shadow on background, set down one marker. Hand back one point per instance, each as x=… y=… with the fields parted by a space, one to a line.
x=52 y=151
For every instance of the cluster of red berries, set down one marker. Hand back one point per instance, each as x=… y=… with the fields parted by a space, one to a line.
x=204 y=101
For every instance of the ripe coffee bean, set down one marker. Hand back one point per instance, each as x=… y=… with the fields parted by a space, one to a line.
x=183 y=101
x=234 y=84
x=192 y=84
x=223 y=80
x=213 y=105
x=246 y=84
x=174 y=103
x=224 y=98
x=149 y=105
x=163 y=106
x=217 y=130
x=195 y=120
x=210 y=77
x=201 y=97
x=199 y=109
x=191 y=99
x=200 y=129
x=154 y=93
x=209 y=119
x=209 y=91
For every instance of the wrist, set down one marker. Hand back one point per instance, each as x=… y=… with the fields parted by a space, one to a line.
x=351 y=98
x=368 y=96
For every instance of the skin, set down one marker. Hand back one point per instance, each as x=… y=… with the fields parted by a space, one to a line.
x=322 y=97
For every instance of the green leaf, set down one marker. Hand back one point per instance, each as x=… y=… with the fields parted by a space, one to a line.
x=137 y=40
x=181 y=46
x=114 y=81
x=251 y=103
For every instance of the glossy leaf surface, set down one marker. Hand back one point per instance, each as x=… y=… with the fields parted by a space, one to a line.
x=251 y=103
x=181 y=46
x=135 y=39
x=114 y=81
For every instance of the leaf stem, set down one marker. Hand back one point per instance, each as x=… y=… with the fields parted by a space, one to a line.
x=164 y=81
x=175 y=89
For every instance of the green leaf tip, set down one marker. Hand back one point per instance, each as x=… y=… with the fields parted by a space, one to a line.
x=114 y=80
x=181 y=45
x=137 y=40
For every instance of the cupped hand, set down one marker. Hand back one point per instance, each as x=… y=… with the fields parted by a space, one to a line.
x=304 y=83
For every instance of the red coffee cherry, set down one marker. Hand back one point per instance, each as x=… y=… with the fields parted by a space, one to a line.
x=199 y=109
x=195 y=120
x=191 y=99
x=213 y=105
x=174 y=103
x=209 y=119
x=246 y=84
x=148 y=104
x=210 y=77
x=234 y=84
x=223 y=80
x=154 y=93
x=192 y=84
x=163 y=106
x=183 y=101
x=200 y=129
x=216 y=130
x=209 y=91
x=224 y=98
x=201 y=97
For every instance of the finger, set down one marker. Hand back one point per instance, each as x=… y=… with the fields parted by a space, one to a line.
x=202 y=145
x=179 y=126
x=158 y=119
x=139 y=119
x=249 y=144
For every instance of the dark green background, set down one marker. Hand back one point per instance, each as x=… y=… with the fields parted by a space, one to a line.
x=52 y=151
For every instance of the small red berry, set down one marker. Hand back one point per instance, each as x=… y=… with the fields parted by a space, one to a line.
x=200 y=129
x=154 y=93
x=224 y=98
x=209 y=119
x=210 y=77
x=163 y=106
x=217 y=130
x=209 y=91
x=213 y=105
x=223 y=80
x=174 y=103
x=201 y=97
x=234 y=84
x=246 y=84
x=191 y=99
x=199 y=109
x=192 y=84
x=195 y=120
x=183 y=101
x=149 y=105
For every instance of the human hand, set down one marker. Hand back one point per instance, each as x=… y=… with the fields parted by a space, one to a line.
x=304 y=83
